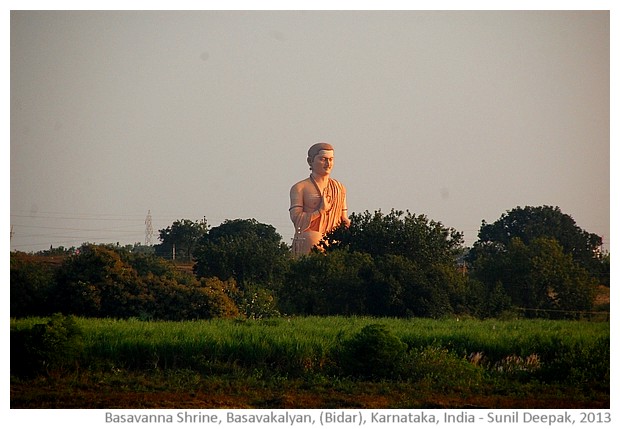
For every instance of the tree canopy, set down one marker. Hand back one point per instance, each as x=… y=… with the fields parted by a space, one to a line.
x=531 y=223
x=399 y=264
x=533 y=260
x=540 y=278
x=243 y=249
x=180 y=239
x=101 y=281
x=414 y=237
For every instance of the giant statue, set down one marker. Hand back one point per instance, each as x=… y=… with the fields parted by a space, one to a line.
x=318 y=203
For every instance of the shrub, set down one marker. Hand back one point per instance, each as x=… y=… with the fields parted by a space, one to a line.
x=332 y=283
x=217 y=298
x=256 y=302
x=577 y=362
x=46 y=347
x=442 y=368
x=97 y=283
x=373 y=353
x=376 y=353
x=31 y=283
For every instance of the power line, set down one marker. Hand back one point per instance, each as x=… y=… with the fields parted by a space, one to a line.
x=76 y=229
x=77 y=217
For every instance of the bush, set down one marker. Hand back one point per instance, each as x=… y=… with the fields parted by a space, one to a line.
x=105 y=282
x=326 y=284
x=31 y=283
x=373 y=353
x=217 y=297
x=204 y=299
x=442 y=368
x=354 y=283
x=255 y=302
x=577 y=362
x=376 y=353
x=46 y=347
x=98 y=283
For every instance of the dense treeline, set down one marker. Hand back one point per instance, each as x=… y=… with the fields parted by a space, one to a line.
x=103 y=281
x=533 y=261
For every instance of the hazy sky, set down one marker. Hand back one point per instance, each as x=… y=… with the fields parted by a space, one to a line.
x=460 y=116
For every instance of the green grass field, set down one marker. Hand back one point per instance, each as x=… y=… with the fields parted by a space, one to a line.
x=326 y=362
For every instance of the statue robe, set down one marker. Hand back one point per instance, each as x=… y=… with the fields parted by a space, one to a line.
x=310 y=223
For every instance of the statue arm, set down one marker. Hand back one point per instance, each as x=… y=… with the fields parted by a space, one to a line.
x=345 y=214
x=299 y=217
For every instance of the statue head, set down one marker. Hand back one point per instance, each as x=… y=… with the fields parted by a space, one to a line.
x=319 y=149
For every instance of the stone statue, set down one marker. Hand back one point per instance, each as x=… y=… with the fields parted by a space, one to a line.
x=318 y=203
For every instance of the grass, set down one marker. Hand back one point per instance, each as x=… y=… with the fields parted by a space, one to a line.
x=291 y=362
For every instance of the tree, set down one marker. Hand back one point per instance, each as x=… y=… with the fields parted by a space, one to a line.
x=180 y=239
x=406 y=288
x=201 y=299
x=31 y=285
x=397 y=264
x=96 y=282
x=539 y=277
x=328 y=284
x=530 y=223
x=101 y=281
x=245 y=250
x=354 y=283
x=401 y=233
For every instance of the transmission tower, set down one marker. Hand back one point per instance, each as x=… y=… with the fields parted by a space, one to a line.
x=148 y=239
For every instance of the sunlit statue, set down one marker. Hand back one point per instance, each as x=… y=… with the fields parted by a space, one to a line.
x=318 y=203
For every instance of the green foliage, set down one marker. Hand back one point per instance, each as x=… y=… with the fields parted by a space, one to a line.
x=97 y=282
x=354 y=283
x=148 y=263
x=442 y=368
x=539 y=277
x=400 y=233
x=215 y=299
x=577 y=361
x=333 y=283
x=31 y=285
x=100 y=281
x=397 y=264
x=180 y=239
x=204 y=299
x=531 y=223
x=423 y=291
x=256 y=302
x=107 y=281
x=245 y=250
x=545 y=263
x=445 y=354
x=373 y=353
x=376 y=353
x=46 y=347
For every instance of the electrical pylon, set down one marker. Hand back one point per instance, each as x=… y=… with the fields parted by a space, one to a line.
x=148 y=233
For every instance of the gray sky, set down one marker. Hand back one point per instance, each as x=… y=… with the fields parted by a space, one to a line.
x=460 y=116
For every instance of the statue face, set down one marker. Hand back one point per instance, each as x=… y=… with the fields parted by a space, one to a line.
x=323 y=163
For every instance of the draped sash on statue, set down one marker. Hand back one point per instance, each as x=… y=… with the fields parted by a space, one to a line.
x=333 y=217
x=309 y=232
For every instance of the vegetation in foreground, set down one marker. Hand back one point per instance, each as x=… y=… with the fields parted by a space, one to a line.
x=218 y=334
x=330 y=362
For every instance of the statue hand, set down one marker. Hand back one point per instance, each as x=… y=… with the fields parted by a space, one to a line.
x=326 y=202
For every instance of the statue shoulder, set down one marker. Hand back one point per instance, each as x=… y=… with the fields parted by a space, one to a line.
x=301 y=185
